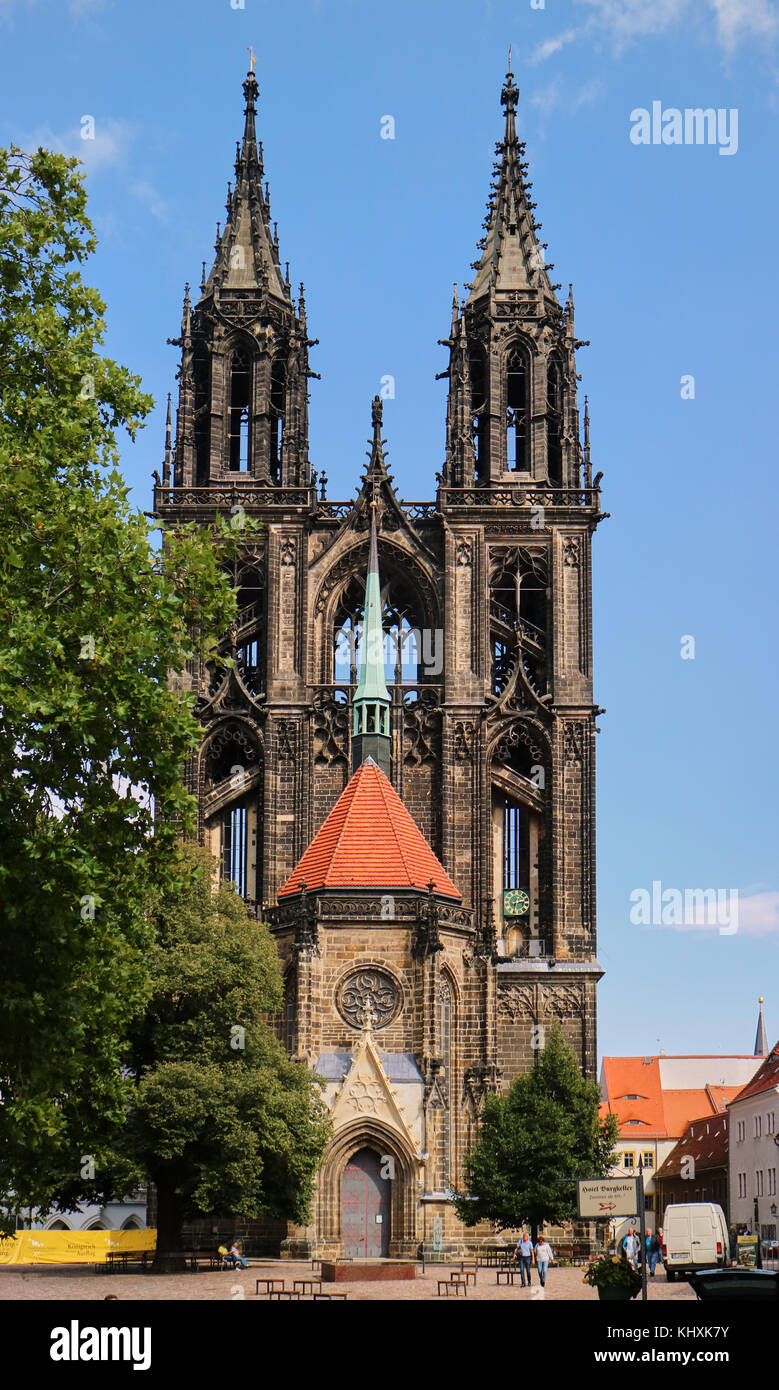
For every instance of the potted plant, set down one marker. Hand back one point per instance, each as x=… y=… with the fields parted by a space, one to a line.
x=614 y=1277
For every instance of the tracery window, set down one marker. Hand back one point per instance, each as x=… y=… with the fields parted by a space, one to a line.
x=408 y=646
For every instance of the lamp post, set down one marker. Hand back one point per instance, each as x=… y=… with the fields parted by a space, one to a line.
x=759 y=1256
x=642 y=1225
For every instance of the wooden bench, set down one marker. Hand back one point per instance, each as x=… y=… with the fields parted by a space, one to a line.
x=307 y=1286
x=279 y=1294
x=455 y=1286
x=330 y=1297
x=507 y=1276
x=269 y=1285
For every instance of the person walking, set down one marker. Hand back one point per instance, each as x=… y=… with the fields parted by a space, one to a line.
x=630 y=1246
x=544 y=1257
x=653 y=1251
x=524 y=1253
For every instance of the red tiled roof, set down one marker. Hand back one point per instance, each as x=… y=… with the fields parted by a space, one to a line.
x=705 y=1141
x=765 y=1078
x=657 y=1112
x=369 y=840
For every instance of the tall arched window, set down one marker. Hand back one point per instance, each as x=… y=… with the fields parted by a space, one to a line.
x=517 y=411
x=554 y=421
x=239 y=411
x=231 y=782
x=235 y=846
x=278 y=388
x=446 y=1044
x=479 y=411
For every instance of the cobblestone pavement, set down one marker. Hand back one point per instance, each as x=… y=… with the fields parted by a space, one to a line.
x=81 y=1283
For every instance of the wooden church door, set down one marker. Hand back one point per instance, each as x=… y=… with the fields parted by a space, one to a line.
x=365 y=1207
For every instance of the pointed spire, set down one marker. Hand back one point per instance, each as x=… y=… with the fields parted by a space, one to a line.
x=246 y=250
x=251 y=92
x=372 y=700
x=512 y=257
x=186 y=315
x=761 y=1040
x=168 y=448
x=377 y=468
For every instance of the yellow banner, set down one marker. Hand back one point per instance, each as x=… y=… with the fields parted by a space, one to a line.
x=71 y=1247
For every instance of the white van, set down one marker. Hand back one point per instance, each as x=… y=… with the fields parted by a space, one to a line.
x=695 y=1236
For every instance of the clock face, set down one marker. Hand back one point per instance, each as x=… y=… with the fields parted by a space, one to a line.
x=516 y=902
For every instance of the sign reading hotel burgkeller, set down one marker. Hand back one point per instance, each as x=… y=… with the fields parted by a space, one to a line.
x=607 y=1197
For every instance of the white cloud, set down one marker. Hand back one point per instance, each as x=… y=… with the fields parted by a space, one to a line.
x=108 y=147
x=557 y=95
x=77 y=8
x=551 y=46
x=759 y=914
x=741 y=19
x=733 y=22
x=147 y=194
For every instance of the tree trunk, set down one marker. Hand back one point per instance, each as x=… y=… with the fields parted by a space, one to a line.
x=168 y=1258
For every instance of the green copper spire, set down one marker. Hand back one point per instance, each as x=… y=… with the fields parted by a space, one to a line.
x=372 y=700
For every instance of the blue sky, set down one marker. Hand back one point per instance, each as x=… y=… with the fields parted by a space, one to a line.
x=672 y=254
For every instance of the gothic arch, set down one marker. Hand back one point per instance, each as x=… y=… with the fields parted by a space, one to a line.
x=247 y=731
x=370 y=1133
x=527 y=732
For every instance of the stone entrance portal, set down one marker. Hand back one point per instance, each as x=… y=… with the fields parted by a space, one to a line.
x=365 y=1207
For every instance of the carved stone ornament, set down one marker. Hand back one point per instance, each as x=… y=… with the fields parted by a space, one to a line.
x=571 y=553
x=369 y=993
x=574 y=739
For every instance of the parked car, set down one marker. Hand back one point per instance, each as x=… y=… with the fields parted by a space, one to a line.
x=719 y=1285
x=695 y=1236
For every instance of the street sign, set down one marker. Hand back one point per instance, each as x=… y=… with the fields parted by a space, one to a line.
x=607 y=1197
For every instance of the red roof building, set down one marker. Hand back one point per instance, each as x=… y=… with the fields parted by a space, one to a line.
x=369 y=840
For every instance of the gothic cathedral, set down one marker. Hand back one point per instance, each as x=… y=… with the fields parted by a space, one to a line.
x=397 y=773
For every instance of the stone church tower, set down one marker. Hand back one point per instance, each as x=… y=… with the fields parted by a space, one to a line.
x=416 y=826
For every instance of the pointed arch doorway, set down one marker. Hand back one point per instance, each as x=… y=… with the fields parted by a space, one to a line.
x=365 y=1207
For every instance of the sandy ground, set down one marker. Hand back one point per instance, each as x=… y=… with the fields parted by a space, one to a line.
x=81 y=1283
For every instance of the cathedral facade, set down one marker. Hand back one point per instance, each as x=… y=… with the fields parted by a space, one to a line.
x=398 y=770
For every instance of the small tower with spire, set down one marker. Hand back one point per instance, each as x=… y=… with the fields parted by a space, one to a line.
x=512 y=375
x=243 y=383
x=372 y=700
x=761 y=1038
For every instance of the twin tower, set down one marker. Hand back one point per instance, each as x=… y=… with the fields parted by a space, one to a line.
x=397 y=772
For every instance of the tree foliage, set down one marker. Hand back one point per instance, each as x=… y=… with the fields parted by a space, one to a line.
x=92 y=735
x=535 y=1142
x=222 y=1120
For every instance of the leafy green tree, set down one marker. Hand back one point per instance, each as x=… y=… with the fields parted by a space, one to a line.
x=535 y=1142
x=92 y=736
x=222 y=1120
